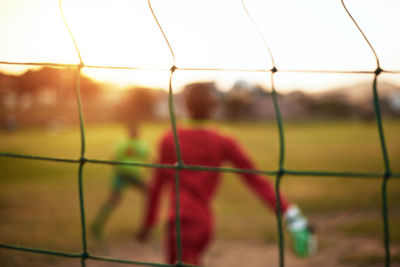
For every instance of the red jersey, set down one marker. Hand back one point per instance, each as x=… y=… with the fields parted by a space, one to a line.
x=203 y=147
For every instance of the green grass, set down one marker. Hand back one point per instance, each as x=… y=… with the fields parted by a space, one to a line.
x=39 y=205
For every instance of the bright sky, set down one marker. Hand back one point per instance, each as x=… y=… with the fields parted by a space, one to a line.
x=304 y=35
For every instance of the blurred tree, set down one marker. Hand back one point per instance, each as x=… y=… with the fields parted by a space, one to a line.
x=138 y=103
x=238 y=101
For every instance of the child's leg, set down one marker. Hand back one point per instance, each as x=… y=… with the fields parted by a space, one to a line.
x=137 y=183
x=110 y=204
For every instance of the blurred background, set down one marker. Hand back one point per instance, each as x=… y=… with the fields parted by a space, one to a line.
x=328 y=118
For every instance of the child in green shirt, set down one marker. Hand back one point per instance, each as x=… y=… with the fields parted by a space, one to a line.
x=131 y=149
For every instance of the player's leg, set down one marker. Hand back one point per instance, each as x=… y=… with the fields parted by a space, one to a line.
x=137 y=183
x=195 y=236
x=106 y=209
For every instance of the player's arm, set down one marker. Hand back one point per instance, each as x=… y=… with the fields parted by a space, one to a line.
x=233 y=153
x=303 y=241
x=152 y=204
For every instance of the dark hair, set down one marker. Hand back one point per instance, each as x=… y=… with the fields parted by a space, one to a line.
x=200 y=100
x=138 y=105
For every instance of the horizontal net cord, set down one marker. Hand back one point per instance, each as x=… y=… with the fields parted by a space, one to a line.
x=284 y=70
x=327 y=173
x=78 y=255
x=34 y=157
x=42 y=251
x=118 y=260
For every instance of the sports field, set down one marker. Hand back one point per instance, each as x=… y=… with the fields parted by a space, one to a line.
x=39 y=204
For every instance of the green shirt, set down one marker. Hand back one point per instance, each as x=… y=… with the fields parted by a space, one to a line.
x=130 y=150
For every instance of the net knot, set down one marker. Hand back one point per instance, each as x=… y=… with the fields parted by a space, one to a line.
x=280 y=172
x=387 y=174
x=378 y=71
x=179 y=165
x=274 y=69
x=83 y=160
x=173 y=68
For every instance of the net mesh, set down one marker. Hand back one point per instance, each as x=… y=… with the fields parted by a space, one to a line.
x=180 y=165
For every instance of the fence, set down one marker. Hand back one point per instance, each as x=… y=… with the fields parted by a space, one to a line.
x=279 y=173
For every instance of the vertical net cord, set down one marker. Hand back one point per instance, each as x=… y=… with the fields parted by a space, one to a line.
x=80 y=171
x=378 y=116
x=386 y=175
x=177 y=172
x=279 y=174
x=70 y=32
x=386 y=232
x=259 y=33
x=82 y=159
x=179 y=164
x=280 y=171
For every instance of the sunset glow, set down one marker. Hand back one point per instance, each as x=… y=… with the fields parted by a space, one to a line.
x=306 y=35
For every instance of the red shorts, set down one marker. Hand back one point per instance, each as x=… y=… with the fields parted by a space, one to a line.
x=195 y=236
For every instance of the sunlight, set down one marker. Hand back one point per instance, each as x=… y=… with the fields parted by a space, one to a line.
x=116 y=33
x=311 y=35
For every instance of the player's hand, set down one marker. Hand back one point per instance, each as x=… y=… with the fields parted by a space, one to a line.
x=142 y=235
x=304 y=242
x=302 y=236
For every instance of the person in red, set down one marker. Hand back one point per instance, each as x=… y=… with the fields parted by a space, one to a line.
x=201 y=146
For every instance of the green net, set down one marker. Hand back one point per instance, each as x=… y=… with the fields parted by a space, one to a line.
x=179 y=166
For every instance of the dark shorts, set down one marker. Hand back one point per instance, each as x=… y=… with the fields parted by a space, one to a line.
x=119 y=182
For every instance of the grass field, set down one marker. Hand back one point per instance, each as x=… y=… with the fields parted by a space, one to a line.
x=39 y=205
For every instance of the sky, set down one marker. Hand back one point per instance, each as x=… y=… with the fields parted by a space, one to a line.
x=302 y=35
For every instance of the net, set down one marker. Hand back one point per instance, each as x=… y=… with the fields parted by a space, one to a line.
x=180 y=165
